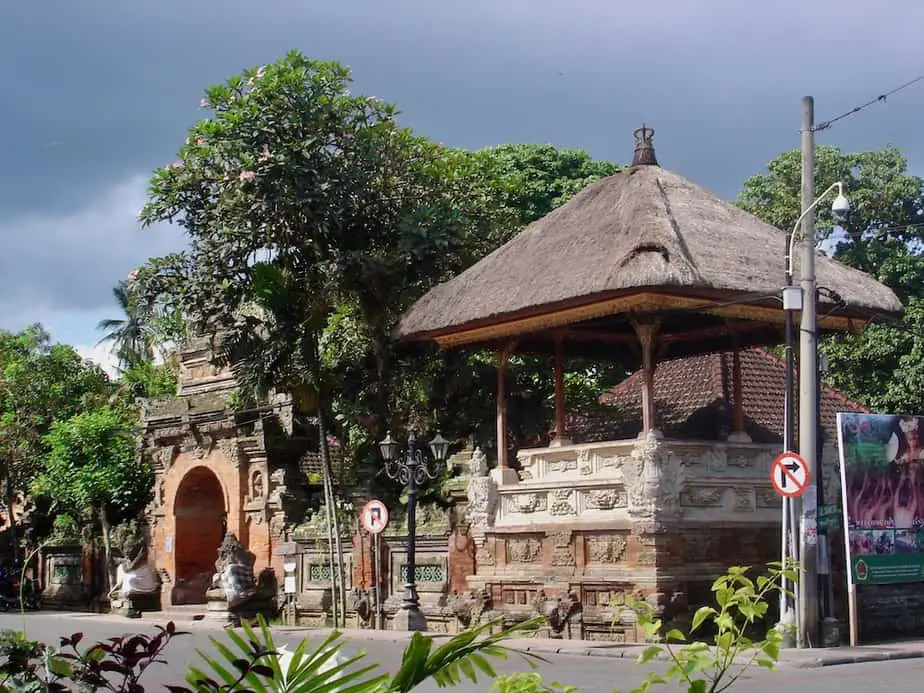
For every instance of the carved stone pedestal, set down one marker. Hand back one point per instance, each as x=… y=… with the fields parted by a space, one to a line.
x=410 y=620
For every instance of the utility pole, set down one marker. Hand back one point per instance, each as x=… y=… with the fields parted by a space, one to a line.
x=808 y=391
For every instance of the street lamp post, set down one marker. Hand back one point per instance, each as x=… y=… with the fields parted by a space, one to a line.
x=411 y=469
x=805 y=299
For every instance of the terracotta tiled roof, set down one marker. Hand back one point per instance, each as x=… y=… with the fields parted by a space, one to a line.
x=693 y=399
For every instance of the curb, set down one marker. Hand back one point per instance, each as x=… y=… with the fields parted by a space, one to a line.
x=627 y=651
x=855 y=659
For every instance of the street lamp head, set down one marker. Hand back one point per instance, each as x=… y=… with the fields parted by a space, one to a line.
x=841 y=205
x=439 y=446
x=388 y=447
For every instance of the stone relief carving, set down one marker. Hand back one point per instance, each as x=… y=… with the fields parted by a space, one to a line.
x=256 y=485
x=478 y=464
x=768 y=498
x=562 y=550
x=703 y=497
x=523 y=550
x=744 y=499
x=526 y=502
x=605 y=499
x=232 y=451
x=482 y=503
x=605 y=548
x=585 y=463
x=562 y=465
x=164 y=457
x=614 y=462
x=561 y=502
x=654 y=478
x=484 y=556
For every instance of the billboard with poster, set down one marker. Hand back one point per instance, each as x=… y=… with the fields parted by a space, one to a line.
x=882 y=484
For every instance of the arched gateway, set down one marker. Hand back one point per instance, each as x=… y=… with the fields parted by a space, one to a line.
x=200 y=521
x=217 y=471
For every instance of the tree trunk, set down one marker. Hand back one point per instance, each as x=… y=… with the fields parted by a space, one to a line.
x=10 y=499
x=338 y=596
x=329 y=512
x=334 y=521
x=108 y=578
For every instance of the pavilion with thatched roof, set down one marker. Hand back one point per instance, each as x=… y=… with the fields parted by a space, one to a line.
x=640 y=267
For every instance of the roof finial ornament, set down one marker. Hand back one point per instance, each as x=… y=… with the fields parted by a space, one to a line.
x=644 y=147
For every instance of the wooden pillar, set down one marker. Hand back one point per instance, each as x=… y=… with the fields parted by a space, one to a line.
x=646 y=333
x=738 y=434
x=737 y=394
x=561 y=434
x=502 y=357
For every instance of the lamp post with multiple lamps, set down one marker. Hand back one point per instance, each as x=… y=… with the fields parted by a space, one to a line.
x=411 y=468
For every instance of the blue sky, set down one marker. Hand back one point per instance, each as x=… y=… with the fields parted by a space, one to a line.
x=97 y=93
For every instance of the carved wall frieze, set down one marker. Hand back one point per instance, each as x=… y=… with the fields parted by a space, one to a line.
x=557 y=466
x=231 y=449
x=585 y=463
x=561 y=502
x=703 y=497
x=562 y=549
x=525 y=502
x=164 y=457
x=613 y=462
x=605 y=548
x=654 y=478
x=744 y=499
x=605 y=498
x=484 y=556
x=482 y=502
x=523 y=550
x=768 y=498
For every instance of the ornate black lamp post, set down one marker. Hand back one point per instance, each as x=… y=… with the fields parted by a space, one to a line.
x=411 y=468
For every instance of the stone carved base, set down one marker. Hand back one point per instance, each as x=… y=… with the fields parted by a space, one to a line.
x=410 y=620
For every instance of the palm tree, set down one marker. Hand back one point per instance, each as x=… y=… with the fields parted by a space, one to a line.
x=130 y=336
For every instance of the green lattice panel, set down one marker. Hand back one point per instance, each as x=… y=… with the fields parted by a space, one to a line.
x=319 y=572
x=425 y=573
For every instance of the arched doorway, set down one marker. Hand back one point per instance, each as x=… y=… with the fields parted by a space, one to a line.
x=200 y=520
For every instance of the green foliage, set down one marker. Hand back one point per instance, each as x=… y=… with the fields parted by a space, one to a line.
x=40 y=383
x=252 y=661
x=148 y=379
x=703 y=667
x=536 y=178
x=117 y=664
x=882 y=236
x=528 y=682
x=92 y=465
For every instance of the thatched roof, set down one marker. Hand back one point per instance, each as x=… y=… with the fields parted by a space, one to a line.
x=642 y=241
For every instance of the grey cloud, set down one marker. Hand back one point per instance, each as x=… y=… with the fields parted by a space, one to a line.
x=98 y=93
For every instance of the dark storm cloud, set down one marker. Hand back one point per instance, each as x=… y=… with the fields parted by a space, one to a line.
x=96 y=93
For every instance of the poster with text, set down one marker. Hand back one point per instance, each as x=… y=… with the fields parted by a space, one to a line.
x=882 y=482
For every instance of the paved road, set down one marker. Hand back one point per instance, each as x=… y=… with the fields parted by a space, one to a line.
x=597 y=674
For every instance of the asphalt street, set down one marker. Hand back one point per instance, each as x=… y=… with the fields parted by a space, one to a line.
x=588 y=673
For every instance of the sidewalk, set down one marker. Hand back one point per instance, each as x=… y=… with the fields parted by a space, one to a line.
x=789 y=658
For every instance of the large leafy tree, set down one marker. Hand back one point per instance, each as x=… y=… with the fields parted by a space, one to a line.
x=884 y=366
x=297 y=198
x=93 y=470
x=40 y=382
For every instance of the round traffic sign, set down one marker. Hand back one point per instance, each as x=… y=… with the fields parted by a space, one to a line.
x=789 y=475
x=374 y=516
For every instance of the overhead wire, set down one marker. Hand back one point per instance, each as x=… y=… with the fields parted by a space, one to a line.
x=878 y=99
